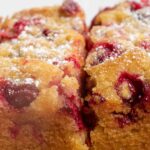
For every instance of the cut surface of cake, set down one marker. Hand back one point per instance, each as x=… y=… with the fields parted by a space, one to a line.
x=43 y=73
x=39 y=107
x=118 y=78
x=42 y=57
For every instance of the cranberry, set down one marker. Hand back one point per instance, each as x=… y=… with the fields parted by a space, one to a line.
x=70 y=8
x=123 y=121
x=20 y=25
x=71 y=107
x=6 y=35
x=146 y=45
x=135 y=6
x=20 y=96
x=135 y=85
x=105 y=51
x=126 y=119
x=74 y=112
x=46 y=32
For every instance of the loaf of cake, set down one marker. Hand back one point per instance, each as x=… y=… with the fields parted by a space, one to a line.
x=118 y=78
x=42 y=53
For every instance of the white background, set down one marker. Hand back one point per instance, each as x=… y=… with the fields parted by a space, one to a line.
x=91 y=7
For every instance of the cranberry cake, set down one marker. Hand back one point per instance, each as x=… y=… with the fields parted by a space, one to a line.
x=39 y=107
x=118 y=79
x=42 y=57
x=119 y=13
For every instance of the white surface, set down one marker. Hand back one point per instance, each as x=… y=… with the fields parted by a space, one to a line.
x=91 y=7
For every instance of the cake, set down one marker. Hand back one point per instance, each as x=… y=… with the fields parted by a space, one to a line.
x=41 y=58
x=118 y=78
x=118 y=13
x=64 y=88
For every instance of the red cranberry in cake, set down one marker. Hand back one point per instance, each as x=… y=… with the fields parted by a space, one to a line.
x=135 y=5
x=105 y=51
x=20 y=95
x=46 y=32
x=74 y=111
x=20 y=25
x=70 y=8
x=123 y=121
x=145 y=45
x=130 y=88
x=133 y=90
x=9 y=34
x=6 y=35
x=126 y=119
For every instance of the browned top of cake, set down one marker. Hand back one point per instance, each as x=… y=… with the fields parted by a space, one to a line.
x=119 y=13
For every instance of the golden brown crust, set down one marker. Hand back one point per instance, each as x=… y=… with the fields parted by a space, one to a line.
x=47 y=12
x=77 y=21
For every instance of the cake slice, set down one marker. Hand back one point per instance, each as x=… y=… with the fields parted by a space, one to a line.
x=119 y=13
x=39 y=107
x=42 y=57
x=118 y=92
x=118 y=82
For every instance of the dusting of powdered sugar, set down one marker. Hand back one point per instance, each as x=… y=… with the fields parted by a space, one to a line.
x=18 y=81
